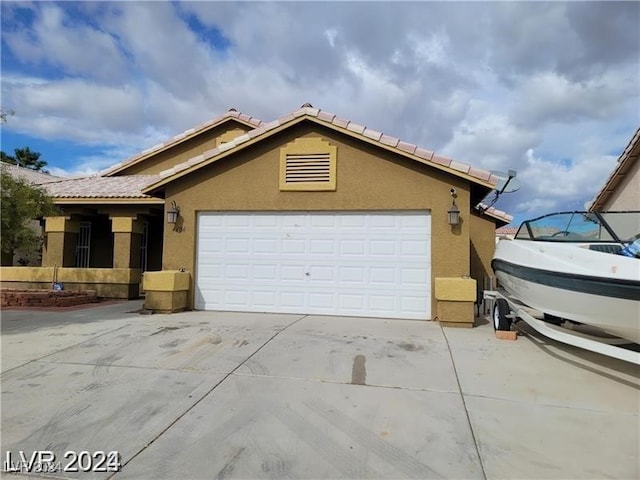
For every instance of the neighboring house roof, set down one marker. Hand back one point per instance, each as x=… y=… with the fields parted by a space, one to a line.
x=626 y=160
x=508 y=230
x=308 y=113
x=33 y=177
x=124 y=187
x=232 y=114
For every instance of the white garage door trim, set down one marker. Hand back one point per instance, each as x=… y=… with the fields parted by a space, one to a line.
x=373 y=264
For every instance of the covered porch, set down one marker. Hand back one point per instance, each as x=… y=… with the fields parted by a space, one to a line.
x=106 y=235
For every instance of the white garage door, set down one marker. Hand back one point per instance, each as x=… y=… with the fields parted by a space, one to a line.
x=374 y=264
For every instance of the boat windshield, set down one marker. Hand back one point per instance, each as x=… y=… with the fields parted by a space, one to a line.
x=582 y=227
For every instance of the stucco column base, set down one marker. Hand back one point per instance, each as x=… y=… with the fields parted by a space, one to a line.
x=456 y=314
x=455 y=299
x=166 y=291
x=126 y=249
x=166 y=302
x=59 y=249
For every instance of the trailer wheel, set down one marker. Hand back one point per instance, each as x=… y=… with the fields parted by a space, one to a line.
x=500 y=312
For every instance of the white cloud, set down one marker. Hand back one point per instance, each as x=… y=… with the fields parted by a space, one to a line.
x=560 y=185
x=77 y=50
x=483 y=82
x=550 y=97
x=66 y=108
x=490 y=140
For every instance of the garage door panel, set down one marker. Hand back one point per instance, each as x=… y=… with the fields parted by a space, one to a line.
x=265 y=272
x=353 y=303
x=265 y=221
x=265 y=299
x=323 y=222
x=410 y=248
x=322 y=247
x=265 y=246
x=351 y=274
x=237 y=272
x=415 y=277
x=321 y=273
x=292 y=299
x=237 y=298
x=417 y=222
x=413 y=304
x=293 y=221
x=361 y=263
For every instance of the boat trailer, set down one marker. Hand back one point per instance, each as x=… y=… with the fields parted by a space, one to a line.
x=504 y=310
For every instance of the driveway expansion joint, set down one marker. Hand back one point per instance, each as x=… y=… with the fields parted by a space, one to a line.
x=464 y=404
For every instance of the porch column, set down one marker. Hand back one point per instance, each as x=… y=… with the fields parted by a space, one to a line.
x=127 y=238
x=61 y=237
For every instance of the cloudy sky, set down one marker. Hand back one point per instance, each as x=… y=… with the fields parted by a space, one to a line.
x=551 y=90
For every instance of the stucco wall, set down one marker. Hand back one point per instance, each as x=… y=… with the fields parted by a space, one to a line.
x=627 y=193
x=367 y=179
x=186 y=150
x=481 y=248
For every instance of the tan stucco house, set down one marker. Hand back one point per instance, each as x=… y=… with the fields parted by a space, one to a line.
x=309 y=213
x=621 y=191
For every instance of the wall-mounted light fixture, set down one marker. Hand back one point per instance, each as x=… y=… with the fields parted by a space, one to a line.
x=173 y=213
x=454 y=214
x=454 y=211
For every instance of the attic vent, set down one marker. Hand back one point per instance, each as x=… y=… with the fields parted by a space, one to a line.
x=308 y=164
x=308 y=167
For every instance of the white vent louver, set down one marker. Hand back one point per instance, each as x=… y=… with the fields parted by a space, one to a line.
x=308 y=168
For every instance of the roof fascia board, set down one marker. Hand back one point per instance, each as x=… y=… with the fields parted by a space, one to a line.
x=625 y=161
x=106 y=200
x=300 y=119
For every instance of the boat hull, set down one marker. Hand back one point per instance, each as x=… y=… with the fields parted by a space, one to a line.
x=545 y=277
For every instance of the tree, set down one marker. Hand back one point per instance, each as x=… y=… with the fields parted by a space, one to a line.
x=24 y=157
x=21 y=204
x=7 y=159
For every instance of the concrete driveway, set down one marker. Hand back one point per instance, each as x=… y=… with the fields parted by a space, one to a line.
x=237 y=395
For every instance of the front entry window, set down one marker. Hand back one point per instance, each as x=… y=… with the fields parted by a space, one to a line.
x=83 y=247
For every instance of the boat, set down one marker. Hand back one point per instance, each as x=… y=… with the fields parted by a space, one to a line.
x=573 y=266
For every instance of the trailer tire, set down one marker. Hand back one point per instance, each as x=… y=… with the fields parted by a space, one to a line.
x=499 y=314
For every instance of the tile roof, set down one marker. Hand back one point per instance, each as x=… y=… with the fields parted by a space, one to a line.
x=126 y=186
x=626 y=160
x=351 y=128
x=31 y=176
x=507 y=230
x=495 y=213
x=187 y=134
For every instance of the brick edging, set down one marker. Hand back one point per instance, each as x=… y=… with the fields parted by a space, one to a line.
x=46 y=298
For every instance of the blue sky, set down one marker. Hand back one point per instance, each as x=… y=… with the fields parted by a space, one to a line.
x=549 y=89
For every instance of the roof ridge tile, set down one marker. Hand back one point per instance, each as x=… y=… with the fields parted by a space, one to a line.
x=373 y=134
x=357 y=128
x=407 y=147
x=389 y=140
x=422 y=153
